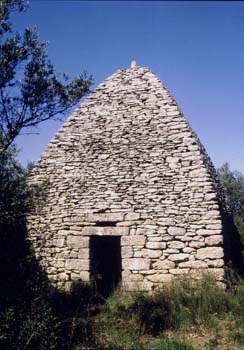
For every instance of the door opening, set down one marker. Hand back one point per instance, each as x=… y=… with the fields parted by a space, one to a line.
x=105 y=262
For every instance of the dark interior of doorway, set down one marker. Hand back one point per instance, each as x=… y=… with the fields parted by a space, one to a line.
x=105 y=263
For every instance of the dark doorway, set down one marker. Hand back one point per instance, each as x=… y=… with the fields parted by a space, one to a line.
x=105 y=262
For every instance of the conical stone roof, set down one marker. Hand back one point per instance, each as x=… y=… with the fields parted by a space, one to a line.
x=128 y=158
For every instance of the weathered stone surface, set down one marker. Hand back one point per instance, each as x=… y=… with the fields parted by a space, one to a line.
x=215 y=263
x=179 y=257
x=136 y=264
x=155 y=245
x=210 y=253
x=205 y=232
x=105 y=231
x=160 y=278
x=133 y=240
x=151 y=253
x=197 y=244
x=214 y=240
x=179 y=271
x=77 y=264
x=126 y=252
x=175 y=245
x=195 y=264
x=83 y=253
x=176 y=231
x=77 y=242
x=163 y=265
x=85 y=276
x=137 y=286
x=105 y=217
x=132 y=216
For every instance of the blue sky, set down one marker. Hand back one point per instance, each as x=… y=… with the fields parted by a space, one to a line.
x=195 y=48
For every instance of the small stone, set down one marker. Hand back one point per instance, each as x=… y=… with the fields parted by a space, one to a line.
x=195 y=264
x=160 y=278
x=179 y=257
x=151 y=253
x=214 y=240
x=175 y=245
x=136 y=264
x=163 y=265
x=132 y=216
x=77 y=264
x=210 y=253
x=77 y=242
x=126 y=252
x=133 y=240
x=176 y=231
x=156 y=245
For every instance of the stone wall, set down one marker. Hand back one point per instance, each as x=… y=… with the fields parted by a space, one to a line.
x=127 y=163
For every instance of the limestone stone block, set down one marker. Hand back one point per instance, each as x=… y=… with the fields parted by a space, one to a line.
x=156 y=245
x=167 y=238
x=136 y=264
x=163 y=265
x=85 y=276
x=205 y=232
x=197 y=244
x=77 y=242
x=133 y=240
x=210 y=253
x=179 y=257
x=132 y=216
x=59 y=242
x=217 y=273
x=77 y=264
x=214 y=240
x=151 y=253
x=154 y=239
x=179 y=271
x=215 y=263
x=126 y=252
x=83 y=253
x=137 y=286
x=160 y=278
x=188 y=250
x=176 y=231
x=62 y=276
x=105 y=231
x=175 y=245
x=127 y=276
x=105 y=217
x=209 y=196
x=195 y=264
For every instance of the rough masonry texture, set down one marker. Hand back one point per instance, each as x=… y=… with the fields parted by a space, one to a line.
x=127 y=164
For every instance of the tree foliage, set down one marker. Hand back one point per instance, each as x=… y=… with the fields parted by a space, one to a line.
x=233 y=186
x=30 y=89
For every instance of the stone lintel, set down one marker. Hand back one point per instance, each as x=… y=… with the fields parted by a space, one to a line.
x=105 y=217
x=105 y=231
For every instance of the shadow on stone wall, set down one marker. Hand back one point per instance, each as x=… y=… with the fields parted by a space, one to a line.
x=233 y=248
x=33 y=314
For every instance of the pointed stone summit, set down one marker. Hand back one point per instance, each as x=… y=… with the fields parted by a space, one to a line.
x=133 y=65
x=131 y=194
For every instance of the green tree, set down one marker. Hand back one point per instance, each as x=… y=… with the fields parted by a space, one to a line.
x=30 y=93
x=30 y=89
x=233 y=186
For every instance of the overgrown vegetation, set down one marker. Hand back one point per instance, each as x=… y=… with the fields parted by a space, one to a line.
x=142 y=321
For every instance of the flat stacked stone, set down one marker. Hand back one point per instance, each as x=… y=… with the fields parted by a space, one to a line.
x=128 y=156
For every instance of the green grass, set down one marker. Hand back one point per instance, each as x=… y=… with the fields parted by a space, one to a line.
x=166 y=344
x=128 y=317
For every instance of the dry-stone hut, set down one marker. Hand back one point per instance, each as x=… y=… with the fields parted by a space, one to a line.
x=130 y=193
